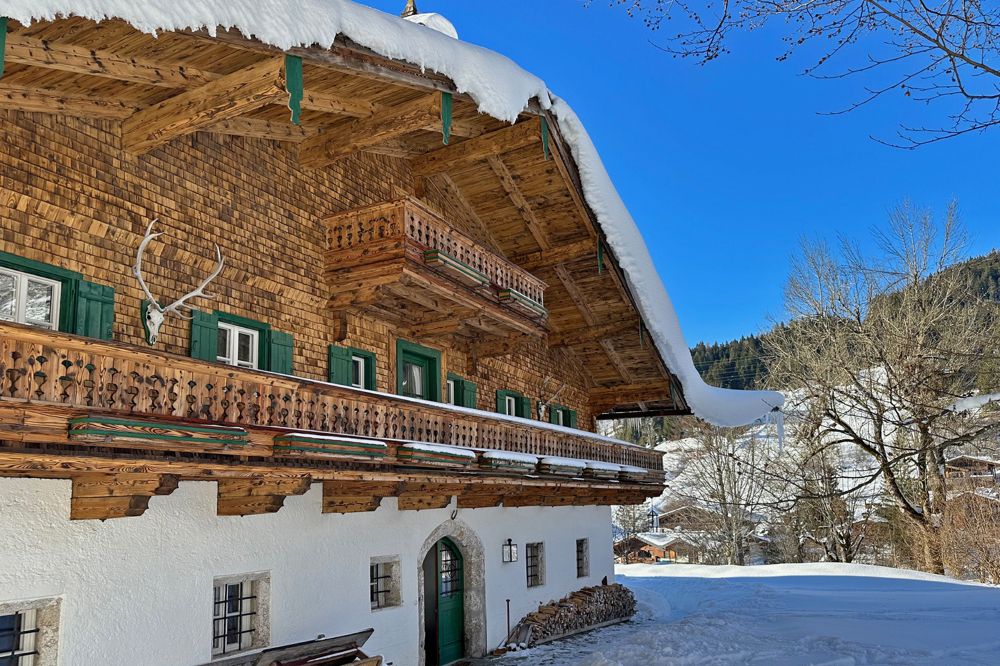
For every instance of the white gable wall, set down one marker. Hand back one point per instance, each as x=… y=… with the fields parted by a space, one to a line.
x=139 y=590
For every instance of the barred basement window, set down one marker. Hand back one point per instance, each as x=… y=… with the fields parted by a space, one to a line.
x=234 y=616
x=18 y=638
x=384 y=582
x=582 y=558
x=534 y=564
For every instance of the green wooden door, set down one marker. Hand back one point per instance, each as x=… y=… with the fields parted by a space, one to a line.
x=451 y=611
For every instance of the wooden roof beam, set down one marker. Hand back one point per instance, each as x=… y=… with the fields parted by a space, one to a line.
x=386 y=124
x=26 y=50
x=590 y=334
x=39 y=100
x=627 y=394
x=520 y=203
x=559 y=254
x=233 y=95
x=479 y=148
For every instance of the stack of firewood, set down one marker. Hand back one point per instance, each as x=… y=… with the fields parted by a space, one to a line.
x=582 y=610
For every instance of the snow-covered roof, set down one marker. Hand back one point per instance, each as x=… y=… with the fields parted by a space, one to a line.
x=499 y=87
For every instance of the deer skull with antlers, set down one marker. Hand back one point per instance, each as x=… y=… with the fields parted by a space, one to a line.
x=156 y=313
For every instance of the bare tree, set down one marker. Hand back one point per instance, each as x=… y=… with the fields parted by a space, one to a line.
x=727 y=474
x=882 y=348
x=933 y=51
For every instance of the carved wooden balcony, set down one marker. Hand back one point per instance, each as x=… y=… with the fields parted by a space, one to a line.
x=75 y=396
x=404 y=263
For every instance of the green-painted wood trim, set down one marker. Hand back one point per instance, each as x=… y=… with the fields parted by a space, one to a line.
x=312 y=449
x=403 y=348
x=3 y=42
x=515 y=295
x=294 y=86
x=166 y=438
x=445 y=258
x=409 y=456
x=220 y=430
x=545 y=138
x=447 y=108
x=312 y=440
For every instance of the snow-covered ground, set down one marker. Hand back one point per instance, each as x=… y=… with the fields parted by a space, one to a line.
x=789 y=614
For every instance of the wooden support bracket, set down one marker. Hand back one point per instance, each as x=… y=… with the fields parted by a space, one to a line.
x=104 y=496
x=247 y=497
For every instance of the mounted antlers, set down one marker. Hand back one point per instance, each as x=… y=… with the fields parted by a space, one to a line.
x=156 y=313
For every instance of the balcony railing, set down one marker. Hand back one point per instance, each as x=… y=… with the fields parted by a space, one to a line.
x=370 y=245
x=112 y=379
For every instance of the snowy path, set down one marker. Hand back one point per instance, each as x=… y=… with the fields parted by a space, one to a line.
x=789 y=615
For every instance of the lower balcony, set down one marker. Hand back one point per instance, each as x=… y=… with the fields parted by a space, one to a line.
x=125 y=423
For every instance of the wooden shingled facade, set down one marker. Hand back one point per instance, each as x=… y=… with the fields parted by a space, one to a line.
x=107 y=128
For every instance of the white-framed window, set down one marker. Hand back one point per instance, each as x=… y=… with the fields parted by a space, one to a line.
x=559 y=416
x=582 y=558
x=451 y=392
x=29 y=299
x=237 y=345
x=510 y=402
x=384 y=582
x=19 y=638
x=359 y=372
x=237 y=617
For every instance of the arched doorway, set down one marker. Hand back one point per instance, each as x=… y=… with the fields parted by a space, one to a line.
x=444 y=608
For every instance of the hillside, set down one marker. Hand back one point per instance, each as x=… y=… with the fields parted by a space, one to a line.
x=740 y=364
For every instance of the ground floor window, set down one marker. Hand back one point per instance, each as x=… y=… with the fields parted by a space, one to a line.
x=582 y=558
x=237 y=602
x=534 y=564
x=18 y=638
x=384 y=582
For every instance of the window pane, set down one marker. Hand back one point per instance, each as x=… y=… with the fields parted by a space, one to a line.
x=8 y=634
x=222 y=346
x=358 y=372
x=244 y=350
x=451 y=392
x=38 y=307
x=8 y=296
x=511 y=406
x=413 y=380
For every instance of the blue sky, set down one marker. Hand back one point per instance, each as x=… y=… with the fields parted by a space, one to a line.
x=726 y=166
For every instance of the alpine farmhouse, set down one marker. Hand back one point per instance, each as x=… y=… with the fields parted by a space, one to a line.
x=304 y=333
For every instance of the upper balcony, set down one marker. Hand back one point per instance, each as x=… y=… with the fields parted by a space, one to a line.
x=402 y=261
x=68 y=404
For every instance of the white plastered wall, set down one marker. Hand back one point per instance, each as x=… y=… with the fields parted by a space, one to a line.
x=139 y=590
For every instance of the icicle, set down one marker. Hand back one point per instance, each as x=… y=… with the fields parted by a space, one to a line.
x=600 y=257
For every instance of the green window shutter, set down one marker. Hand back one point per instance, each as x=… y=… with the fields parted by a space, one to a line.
x=281 y=351
x=94 y=310
x=553 y=414
x=524 y=407
x=501 y=402
x=468 y=393
x=204 y=335
x=340 y=365
x=572 y=417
